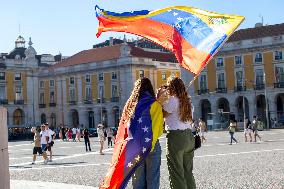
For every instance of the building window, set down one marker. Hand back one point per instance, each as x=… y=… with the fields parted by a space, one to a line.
x=41 y=98
x=2 y=92
x=101 y=92
x=114 y=91
x=221 y=80
x=203 y=82
x=239 y=78
x=18 y=77
x=238 y=60
x=18 y=93
x=72 y=95
x=279 y=74
x=2 y=75
x=278 y=55
x=88 y=93
x=220 y=62
x=101 y=76
x=51 y=97
x=88 y=79
x=164 y=76
x=113 y=76
x=41 y=84
x=51 y=83
x=141 y=73
x=72 y=81
x=258 y=58
x=259 y=76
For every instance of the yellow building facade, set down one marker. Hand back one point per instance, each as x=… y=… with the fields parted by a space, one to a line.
x=242 y=78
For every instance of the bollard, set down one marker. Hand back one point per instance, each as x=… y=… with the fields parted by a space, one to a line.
x=4 y=157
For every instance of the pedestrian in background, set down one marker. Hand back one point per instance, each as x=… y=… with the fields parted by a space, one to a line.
x=37 y=145
x=78 y=134
x=101 y=136
x=202 y=129
x=74 y=133
x=232 y=129
x=180 y=141
x=255 y=124
x=70 y=134
x=50 y=138
x=109 y=137
x=87 y=139
x=43 y=142
x=247 y=130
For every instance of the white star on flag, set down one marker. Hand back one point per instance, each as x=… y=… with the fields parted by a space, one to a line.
x=178 y=26
x=144 y=150
x=147 y=139
x=179 y=19
x=175 y=13
x=140 y=120
x=129 y=164
x=145 y=129
x=133 y=116
x=137 y=158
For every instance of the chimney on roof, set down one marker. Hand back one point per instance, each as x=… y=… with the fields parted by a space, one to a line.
x=111 y=41
x=259 y=24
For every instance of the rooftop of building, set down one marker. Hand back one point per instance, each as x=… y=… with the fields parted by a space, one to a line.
x=112 y=52
x=259 y=31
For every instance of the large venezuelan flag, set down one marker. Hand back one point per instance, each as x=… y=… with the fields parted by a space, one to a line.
x=134 y=142
x=193 y=35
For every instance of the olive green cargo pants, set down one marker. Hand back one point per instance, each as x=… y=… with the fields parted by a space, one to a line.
x=180 y=152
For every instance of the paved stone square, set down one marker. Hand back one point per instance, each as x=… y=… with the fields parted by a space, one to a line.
x=216 y=165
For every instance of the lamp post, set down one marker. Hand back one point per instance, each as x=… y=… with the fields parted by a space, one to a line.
x=266 y=102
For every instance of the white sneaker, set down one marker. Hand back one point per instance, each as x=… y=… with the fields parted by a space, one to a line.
x=45 y=161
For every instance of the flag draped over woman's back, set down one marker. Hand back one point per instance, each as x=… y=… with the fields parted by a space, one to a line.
x=135 y=139
x=193 y=35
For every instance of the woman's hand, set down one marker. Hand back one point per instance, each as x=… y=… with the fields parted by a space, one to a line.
x=161 y=95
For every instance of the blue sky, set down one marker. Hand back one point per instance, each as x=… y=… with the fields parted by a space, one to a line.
x=69 y=26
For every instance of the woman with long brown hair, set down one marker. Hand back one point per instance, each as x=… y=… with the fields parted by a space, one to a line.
x=180 y=141
x=137 y=151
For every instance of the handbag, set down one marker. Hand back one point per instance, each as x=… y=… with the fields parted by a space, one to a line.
x=197 y=142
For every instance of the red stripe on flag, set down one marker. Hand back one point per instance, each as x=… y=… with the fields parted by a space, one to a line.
x=165 y=35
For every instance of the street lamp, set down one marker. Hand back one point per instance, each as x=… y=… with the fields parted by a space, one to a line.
x=266 y=102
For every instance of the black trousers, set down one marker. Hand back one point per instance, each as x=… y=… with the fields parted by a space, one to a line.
x=87 y=144
x=109 y=141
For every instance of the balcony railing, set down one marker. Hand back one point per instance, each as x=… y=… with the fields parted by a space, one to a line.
x=88 y=101
x=42 y=105
x=114 y=99
x=101 y=100
x=3 y=101
x=221 y=90
x=279 y=85
x=259 y=87
x=72 y=102
x=18 y=102
x=52 y=104
x=240 y=88
x=203 y=91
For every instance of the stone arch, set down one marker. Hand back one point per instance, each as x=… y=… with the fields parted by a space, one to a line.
x=42 y=118
x=205 y=109
x=18 y=117
x=240 y=108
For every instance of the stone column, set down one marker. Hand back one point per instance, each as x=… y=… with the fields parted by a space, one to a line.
x=4 y=158
x=79 y=89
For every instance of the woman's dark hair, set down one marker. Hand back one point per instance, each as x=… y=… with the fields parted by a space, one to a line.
x=141 y=85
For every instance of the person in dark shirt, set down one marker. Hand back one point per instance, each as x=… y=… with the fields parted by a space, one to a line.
x=87 y=139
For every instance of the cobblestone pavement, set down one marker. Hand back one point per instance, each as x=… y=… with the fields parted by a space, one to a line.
x=257 y=165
